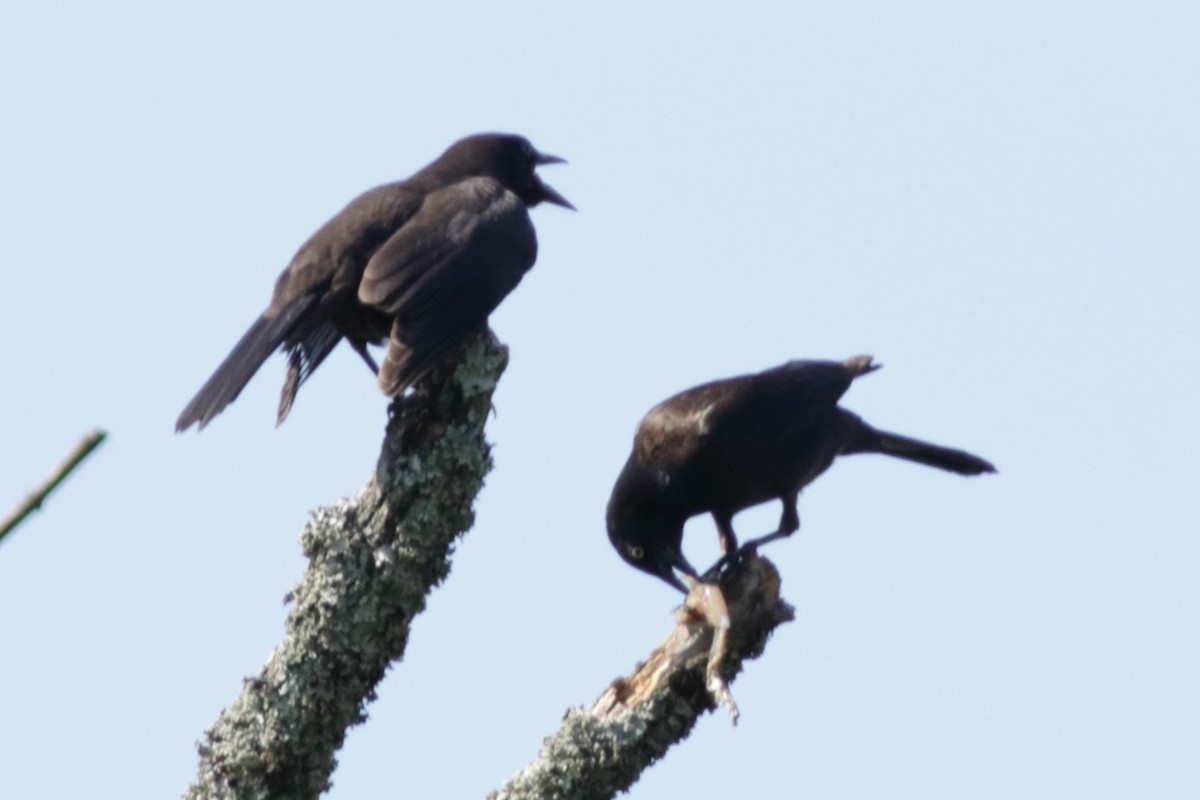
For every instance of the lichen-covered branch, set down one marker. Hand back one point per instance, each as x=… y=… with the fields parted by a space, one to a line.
x=602 y=751
x=373 y=559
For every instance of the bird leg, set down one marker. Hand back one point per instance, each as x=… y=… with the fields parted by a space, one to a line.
x=789 y=523
x=725 y=532
x=729 y=546
x=360 y=347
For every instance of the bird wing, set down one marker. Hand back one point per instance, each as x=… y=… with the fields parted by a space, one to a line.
x=309 y=305
x=474 y=234
x=309 y=313
x=745 y=412
x=333 y=259
x=446 y=269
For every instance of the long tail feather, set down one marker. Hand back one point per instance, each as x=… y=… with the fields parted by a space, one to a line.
x=870 y=440
x=235 y=372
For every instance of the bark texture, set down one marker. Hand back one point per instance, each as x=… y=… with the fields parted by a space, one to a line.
x=372 y=561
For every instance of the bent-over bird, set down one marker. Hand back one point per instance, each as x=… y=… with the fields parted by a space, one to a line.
x=423 y=262
x=724 y=446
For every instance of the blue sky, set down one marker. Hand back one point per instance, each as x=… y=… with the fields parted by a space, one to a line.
x=999 y=202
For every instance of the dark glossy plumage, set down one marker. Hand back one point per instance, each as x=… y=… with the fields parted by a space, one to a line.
x=727 y=445
x=421 y=262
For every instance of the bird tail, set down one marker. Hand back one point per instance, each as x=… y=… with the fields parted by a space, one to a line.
x=408 y=363
x=235 y=371
x=860 y=365
x=306 y=345
x=403 y=367
x=870 y=440
x=399 y=369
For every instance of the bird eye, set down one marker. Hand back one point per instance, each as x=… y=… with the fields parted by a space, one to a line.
x=635 y=552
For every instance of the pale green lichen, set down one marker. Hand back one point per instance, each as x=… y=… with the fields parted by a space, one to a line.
x=373 y=560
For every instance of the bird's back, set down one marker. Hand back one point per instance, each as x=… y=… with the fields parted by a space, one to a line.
x=732 y=443
x=334 y=258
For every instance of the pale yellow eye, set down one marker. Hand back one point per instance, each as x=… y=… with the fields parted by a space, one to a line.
x=635 y=551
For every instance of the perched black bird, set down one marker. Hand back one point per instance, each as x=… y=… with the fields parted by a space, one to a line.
x=731 y=444
x=424 y=261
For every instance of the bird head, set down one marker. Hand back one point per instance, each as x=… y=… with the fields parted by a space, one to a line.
x=650 y=544
x=508 y=158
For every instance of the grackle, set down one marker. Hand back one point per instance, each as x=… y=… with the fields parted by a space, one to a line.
x=724 y=446
x=421 y=262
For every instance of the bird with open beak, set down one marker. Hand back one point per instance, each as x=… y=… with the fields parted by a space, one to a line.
x=420 y=263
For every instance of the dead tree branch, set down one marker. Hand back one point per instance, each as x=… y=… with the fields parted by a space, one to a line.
x=602 y=751
x=372 y=561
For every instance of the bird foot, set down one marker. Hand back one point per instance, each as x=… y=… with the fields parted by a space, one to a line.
x=724 y=564
x=729 y=561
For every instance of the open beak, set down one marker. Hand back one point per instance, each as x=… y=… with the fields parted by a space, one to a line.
x=548 y=193
x=678 y=562
x=670 y=578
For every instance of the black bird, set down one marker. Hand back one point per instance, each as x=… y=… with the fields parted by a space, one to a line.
x=727 y=445
x=423 y=261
